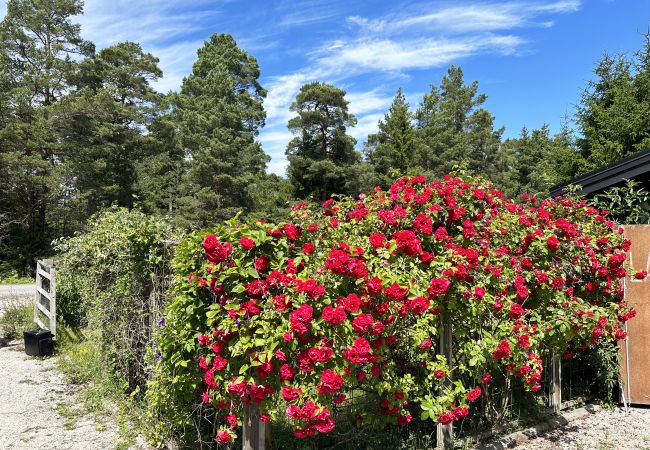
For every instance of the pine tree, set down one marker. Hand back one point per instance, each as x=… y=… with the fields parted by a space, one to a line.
x=614 y=113
x=40 y=47
x=218 y=114
x=394 y=147
x=104 y=122
x=322 y=158
x=454 y=129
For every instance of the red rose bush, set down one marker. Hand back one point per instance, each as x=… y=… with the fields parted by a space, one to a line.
x=349 y=296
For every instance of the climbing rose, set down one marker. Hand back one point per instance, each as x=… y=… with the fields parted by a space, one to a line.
x=516 y=311
x=214 y=251
x=502 y=351
x=419 y=305
x=223 y=437
x=552 y=243
x=331 y=382
x=474 y=394
x=300 y=319
x=247 y=243
x=446 y=418
x=359 y=353
x=333 y=315
x=438 y=286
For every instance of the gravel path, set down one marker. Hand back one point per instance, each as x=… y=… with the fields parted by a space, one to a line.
x=14 y=294
x=39 y=410
x=605 y=430
x=17 y=290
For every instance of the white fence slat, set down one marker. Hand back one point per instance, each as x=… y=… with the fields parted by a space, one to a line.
x=44 y=270
x=44 y=274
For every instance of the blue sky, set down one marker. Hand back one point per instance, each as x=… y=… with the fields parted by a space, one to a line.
x=532 y=58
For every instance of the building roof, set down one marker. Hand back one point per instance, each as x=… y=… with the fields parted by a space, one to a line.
x=635 y=167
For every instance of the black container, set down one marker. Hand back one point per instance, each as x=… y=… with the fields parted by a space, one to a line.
x=38 y=342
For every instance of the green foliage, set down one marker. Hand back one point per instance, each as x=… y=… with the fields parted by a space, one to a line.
x=321 y=156
x=111 y=279
x=604 y=360
x=11 y=276
x=627 y=204
x=454 y=129
x=218 y=113
x=39 y=50
x=614 y=112
x=103 y=121
x=394 y=146
x=16 y=318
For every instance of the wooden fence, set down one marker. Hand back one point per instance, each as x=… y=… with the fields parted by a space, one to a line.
x=45 y=298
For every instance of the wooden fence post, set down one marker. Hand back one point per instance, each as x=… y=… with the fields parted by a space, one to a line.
x=556 y=384
x=445 y=433
x=254 y=433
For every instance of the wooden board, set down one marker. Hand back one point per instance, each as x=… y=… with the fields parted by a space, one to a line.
x=636 y=348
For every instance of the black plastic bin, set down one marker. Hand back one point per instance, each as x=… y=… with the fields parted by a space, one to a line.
x=38 y=342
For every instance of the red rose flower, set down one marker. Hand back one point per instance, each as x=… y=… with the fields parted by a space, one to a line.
x=223 y=437
x=333 y=315
x=331 y=382
x=419 y=305
x=300 y=319
x=553 y=243
x=516 y=311
x=474 y=394
x=438 y=286
x=362 y=323
x=247 y=243
x=502 y=351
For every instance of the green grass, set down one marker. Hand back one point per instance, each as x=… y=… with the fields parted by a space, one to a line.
x=16 y=318
x=12 y=277
x=101 y=393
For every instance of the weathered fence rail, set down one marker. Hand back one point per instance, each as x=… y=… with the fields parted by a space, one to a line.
x=45 y=298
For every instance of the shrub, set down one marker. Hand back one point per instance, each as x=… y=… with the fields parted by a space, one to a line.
x=16 y=318
x=347 y=300
x=111 y=279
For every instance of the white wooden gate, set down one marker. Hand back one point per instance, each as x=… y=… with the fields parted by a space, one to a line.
x=45 y=299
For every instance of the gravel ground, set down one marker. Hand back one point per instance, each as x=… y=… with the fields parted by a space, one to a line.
x=12 y=294
x=17 y=290
x=604 y=430
x=38 y=410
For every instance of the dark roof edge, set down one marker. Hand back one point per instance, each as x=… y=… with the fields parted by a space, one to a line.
x=603 y=173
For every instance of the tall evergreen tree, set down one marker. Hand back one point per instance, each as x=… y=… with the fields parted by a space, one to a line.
x=322 y=158
x=219 y=112
x=103 y=123
x=394 y=146
x=40 y=46
x=614 y=113
x=454 y=129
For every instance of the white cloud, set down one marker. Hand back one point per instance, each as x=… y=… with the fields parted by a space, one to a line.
x=295 y=13
x=366 y=125
x=467 y=17
x=394 y=55
x=369 y=101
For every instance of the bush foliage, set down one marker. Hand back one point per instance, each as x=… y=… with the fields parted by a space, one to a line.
x=345 y=302
x=109 y=280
